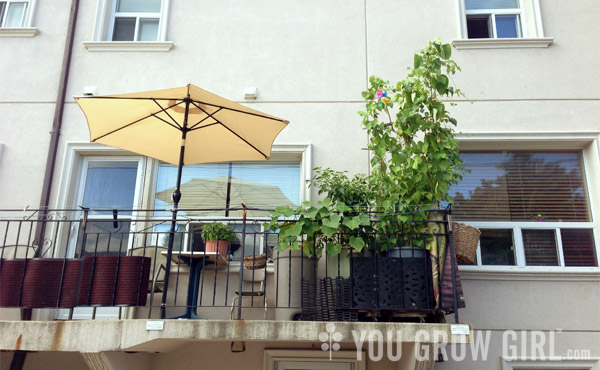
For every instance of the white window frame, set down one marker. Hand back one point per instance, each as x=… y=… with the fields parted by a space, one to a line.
x=104 y=25
x=26 y=29
x=589 y=145
x=517 y=227
x=530 y=24
x=553 y=363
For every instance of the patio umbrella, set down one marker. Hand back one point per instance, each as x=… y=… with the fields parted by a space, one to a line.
x=220 y=192
x=181 y=126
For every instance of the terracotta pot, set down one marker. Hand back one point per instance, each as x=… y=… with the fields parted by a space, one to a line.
x=222 y=249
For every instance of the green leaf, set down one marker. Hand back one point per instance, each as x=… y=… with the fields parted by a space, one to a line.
x=333 y=249
x=296 y=230
x=342 y=207
x=333 y=221
x=446 y=51
x=328 y=231
x=352 y=222
x=326 y=202
x=311 y=212
x=285 y=211
x=357 y=243
x=418 y=61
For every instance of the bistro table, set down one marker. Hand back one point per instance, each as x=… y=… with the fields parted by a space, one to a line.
x=196 y=260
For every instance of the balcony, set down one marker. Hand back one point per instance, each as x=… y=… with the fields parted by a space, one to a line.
x=84 y=266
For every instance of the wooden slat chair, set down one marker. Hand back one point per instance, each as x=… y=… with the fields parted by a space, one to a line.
x=253 y=286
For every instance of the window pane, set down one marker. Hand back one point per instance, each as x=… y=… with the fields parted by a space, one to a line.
x=478 y=27
x=482 y=195
x=497 y=247
x=102 y=238
x=578 y=247
x=521 y=186
x=506 y=26
x=491 y=4
x=148 y=30
x=124 y=29
x=216 y=186
x=14 y=16
x=2 y=8
x=137 y=6
x=540 y=248
x=110 y=185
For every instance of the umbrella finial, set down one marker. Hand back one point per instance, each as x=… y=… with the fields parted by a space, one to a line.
x=176 y=197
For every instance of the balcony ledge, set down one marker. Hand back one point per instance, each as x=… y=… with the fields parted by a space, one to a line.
x=94 y=336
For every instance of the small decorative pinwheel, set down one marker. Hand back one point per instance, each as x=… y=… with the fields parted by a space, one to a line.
x=382 y=98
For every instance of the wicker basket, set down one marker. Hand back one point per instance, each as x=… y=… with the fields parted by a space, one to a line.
x=466 y=238
x=255 y=262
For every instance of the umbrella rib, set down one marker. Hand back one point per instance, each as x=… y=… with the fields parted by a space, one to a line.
x=122 y=127
x=244 y=140
x=139 y=120
x=238 y=111
x=210 y=124
x=205 y=118
x=167 y=113
x=230 y=130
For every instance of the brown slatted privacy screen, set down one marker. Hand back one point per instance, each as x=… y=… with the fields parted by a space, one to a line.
x=519 y=186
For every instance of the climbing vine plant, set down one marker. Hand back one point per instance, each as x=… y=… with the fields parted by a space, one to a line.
x=415 y=154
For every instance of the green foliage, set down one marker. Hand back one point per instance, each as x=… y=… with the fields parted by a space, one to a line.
x=356 y=192
x=218 y=231
x=316 y=228
x=415 y=152
x=415 y=160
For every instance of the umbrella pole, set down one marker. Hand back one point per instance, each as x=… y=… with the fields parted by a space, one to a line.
x=176 y=198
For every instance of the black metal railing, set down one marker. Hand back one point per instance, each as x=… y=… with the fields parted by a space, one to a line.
x=90 y=259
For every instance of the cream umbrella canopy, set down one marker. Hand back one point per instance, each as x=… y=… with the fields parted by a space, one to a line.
x=181 y=126
x=219 y=192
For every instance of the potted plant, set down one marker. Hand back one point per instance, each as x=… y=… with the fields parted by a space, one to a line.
x=217 y=237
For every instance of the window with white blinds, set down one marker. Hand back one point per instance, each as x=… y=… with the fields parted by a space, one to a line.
x=532 y=208
x=522 y=186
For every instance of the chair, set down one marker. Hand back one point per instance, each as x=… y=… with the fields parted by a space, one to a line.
x=253 y=285
x=158 y=264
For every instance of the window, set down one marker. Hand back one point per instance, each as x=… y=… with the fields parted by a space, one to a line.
x=500 y=24
x=493 y=18
x=107 y=184
x=13 y=13
x=131 y=25
x=16 y=18
x=135 y=20
x=532 y=208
